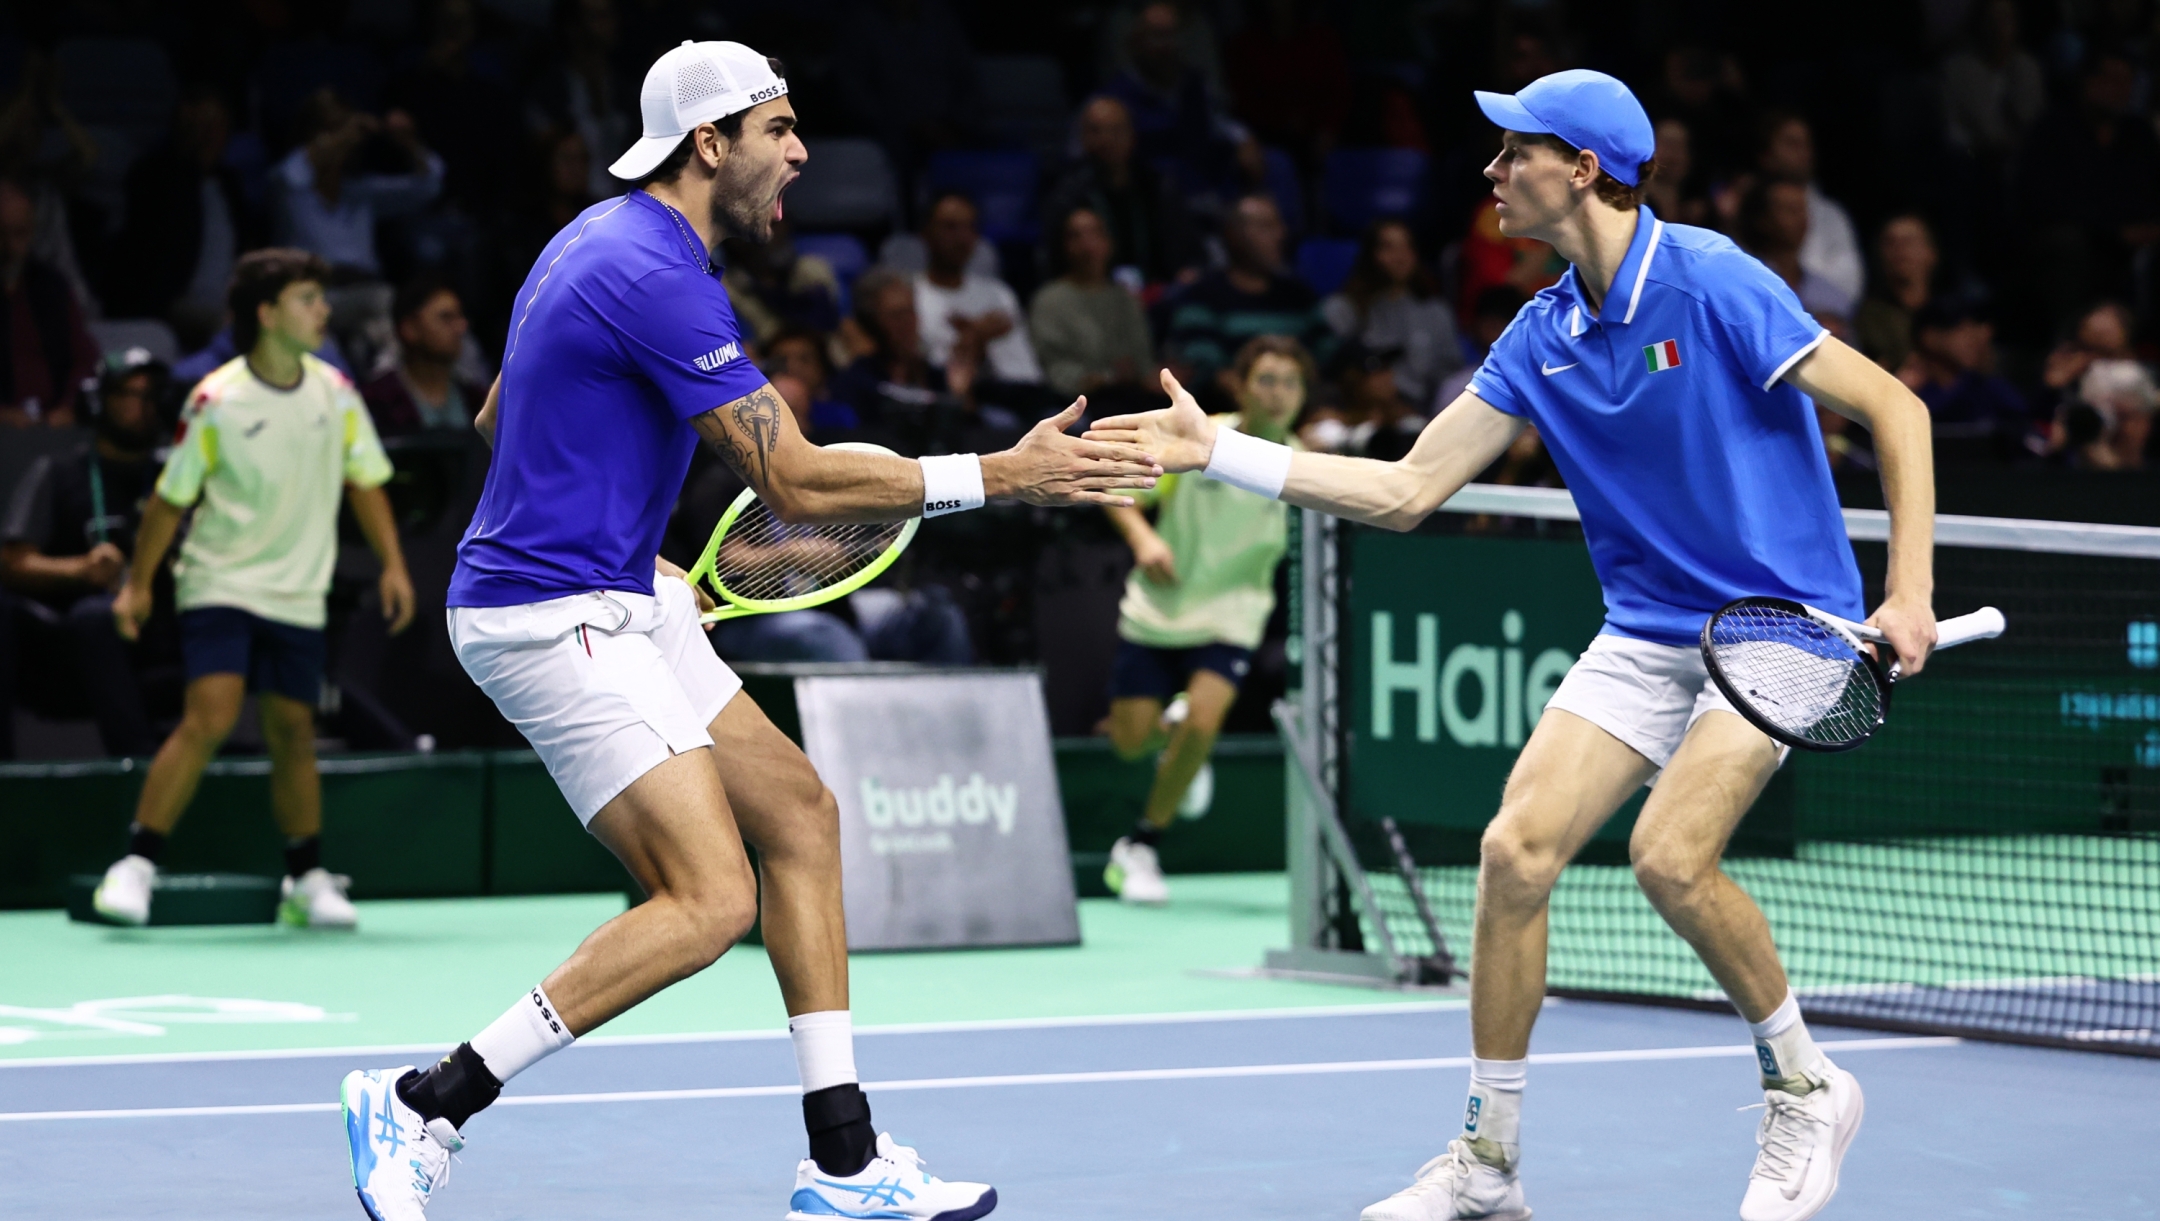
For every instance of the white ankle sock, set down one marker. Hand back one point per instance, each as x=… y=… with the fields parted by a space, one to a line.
x=824 y=1048
x=1494 y=1112
x=530 y=1032
x=1783 y=1046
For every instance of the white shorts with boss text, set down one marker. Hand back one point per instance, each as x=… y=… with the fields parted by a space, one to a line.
x=605 y=685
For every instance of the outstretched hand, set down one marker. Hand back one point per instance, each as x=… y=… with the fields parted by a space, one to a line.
x=1180 y=436
x=1049 y=467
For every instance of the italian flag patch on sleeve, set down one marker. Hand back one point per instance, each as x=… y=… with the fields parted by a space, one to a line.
x=1663 y=356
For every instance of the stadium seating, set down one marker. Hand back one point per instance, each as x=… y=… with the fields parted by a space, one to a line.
x=1023 y=101
x=1288 y=188
x=846 y=184
x=843 y=250
x=1002 y=182
x=1323 y=262
x=1360 y=185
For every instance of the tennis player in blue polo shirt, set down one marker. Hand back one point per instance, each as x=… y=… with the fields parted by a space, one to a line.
x=1670 y=375
x=622 y=351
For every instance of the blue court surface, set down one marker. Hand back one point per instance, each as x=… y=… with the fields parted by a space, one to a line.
x=1632 y=1113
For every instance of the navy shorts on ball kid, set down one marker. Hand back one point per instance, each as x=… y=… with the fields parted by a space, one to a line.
x=274 y=657
x=1145 y=672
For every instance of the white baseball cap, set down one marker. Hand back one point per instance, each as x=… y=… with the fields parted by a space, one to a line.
x=697 y=82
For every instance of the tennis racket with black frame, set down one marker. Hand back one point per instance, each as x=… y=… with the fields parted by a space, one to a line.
x=1805 y=676
x=756 y=564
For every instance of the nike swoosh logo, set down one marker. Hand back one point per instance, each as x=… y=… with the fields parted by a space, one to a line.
x=1548 y=370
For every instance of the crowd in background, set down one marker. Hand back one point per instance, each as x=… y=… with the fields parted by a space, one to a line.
x=1007 y=205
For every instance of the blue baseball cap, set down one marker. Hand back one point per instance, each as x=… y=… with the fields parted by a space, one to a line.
x=1588 y=110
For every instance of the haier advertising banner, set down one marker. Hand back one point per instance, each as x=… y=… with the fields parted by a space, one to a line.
x=951 y=830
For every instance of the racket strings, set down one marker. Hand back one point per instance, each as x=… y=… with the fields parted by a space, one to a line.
x=1801 y=676
x=763 y=559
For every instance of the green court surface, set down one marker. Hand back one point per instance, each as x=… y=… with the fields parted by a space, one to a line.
x=435 y=971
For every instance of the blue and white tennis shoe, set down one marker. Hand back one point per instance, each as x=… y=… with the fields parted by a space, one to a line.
x=893 y=1187
x=398 y=1158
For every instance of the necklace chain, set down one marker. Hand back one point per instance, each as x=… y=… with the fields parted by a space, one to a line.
x=697 y=250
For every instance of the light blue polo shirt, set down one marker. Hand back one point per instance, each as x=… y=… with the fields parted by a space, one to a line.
x=621 y=334
x=1700 y=475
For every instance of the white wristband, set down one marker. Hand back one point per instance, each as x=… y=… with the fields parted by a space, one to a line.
x=1243 y=461
x=951 y=483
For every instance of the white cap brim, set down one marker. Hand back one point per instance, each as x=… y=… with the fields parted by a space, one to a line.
x=644 y=156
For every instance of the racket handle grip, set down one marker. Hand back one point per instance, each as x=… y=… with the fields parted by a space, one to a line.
x=1983 y=624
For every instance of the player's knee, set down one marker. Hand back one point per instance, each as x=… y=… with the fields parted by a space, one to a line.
x=716 y=923
x=208 y=724
x=1515 y=868
x=1669 y=875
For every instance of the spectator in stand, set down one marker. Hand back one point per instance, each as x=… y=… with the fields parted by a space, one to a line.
x=1676 y=194
x=1370 y=417
x=2084 y=239
x=1774 y=227
x=461 y=105
x=1906 y=261
x=422 y=392
x=1176 y=118
x=973 y=317
x=65 y=542
x=1290 y=79
x=2108 y=425
x=1953 y=371
x=1489 y=316
x=1215 y=315
x=187 y=220
x=772 y=286
x=2102 y=334
x=1704 y=89
x=1149 y=229
x=1089 y=331
x=557 y=170
x=905 y=71
x=1831 y=251
x=47 y=154
x=805 y=356
x=45 y=350
x=580 y=85
x=327 y=203
x=1390 y=301
x=896 y=386
x=270 y=444
x=1993 y=90
x=1492 y=259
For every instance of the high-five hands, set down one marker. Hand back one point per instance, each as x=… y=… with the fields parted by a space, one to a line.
x=1049 y=467
x=1180 y=436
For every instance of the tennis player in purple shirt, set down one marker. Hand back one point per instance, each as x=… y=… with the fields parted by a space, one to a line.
x=622 y=352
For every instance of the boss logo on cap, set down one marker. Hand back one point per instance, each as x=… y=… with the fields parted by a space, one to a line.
x=767 y=94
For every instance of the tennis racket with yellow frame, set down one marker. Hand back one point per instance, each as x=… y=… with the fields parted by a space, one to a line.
x=756 y=564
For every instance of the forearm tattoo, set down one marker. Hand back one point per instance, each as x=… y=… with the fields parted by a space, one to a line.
x=748 y=443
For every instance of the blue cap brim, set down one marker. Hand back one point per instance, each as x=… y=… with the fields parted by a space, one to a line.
x=1509 y=114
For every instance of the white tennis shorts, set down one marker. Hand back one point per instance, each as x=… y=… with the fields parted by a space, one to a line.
x=606 y=685
x=1647 y=695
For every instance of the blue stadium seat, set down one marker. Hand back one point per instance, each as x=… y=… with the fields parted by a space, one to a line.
x=1363 y=184
x=1287 y=188
x=843 y=250
x=846 y=184
x=1002 y=182
x=1324 y=262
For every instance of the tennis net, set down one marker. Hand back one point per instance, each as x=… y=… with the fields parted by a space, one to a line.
x=1988 y=866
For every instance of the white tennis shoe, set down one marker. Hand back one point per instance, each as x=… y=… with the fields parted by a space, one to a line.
x=1803 y=1139
x=1455 y=1186
x=399 y=1160
x=894 y=1185
x=1135 y=873
x=316 y=899
x=123 y=897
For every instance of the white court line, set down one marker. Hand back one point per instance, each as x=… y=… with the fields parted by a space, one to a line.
x=737 y=1036
x=1107 y=1076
